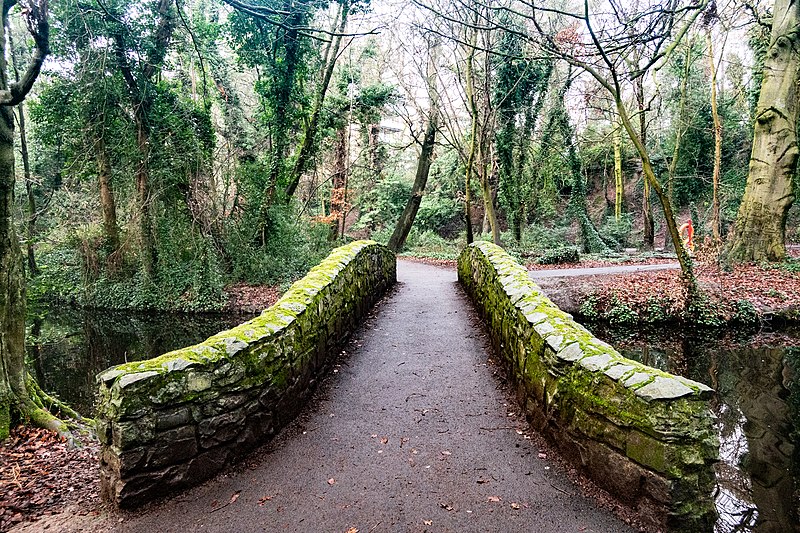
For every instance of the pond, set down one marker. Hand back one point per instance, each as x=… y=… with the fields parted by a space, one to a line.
x=757 y=382
x=69 y=347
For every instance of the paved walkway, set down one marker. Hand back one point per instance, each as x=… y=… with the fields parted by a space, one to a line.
x=410 y=434
x=599 y=271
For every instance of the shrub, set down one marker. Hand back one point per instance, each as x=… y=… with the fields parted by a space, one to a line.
x=559 y=256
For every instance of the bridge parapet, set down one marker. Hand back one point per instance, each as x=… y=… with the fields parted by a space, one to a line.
x=645 y=435
x=173 y=421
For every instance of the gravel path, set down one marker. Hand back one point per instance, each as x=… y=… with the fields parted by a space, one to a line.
x=410 y=434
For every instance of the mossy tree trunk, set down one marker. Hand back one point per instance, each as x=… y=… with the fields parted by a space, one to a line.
x=140 y=94
x=306 y=150
x=15 y=398
x=108 y=206
x=760 y=229
x=647 y=211
x=619 y=184
x=715 y=217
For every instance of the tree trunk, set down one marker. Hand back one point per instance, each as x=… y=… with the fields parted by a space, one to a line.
x=687 y=270
x=26 y=165
x=14 y=382
x=306 y=151
x=647 y=211
x=760 y=229
x=715 y=222
x=143 y=196
x=619 y=184
x=141 y=102
x=26 y=174
x=12 y=284
x=406 y=220
x=338 y=208
x=679 y=130
x=108 y=206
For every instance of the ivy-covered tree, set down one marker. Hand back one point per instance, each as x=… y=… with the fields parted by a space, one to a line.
x=19 y=395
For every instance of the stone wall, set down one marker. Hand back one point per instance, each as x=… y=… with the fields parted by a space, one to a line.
x=173 y=421
x=644 y=435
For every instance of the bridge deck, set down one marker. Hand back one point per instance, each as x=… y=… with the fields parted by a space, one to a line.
x=410 y=434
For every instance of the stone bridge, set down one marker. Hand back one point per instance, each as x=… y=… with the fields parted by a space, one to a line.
x=647 y=437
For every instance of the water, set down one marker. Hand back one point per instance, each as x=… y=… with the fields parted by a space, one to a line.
x=757 y=402
x=68 y=348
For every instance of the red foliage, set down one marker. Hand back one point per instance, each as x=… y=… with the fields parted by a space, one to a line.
x=41 y=474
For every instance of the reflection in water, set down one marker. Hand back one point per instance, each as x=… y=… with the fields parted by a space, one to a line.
x=758 y=409
x=68 y=348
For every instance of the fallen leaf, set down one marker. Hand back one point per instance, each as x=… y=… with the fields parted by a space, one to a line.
x=515 y=506
x=385 y=440
x=352 y=530
x=428 y=522
x=542 y=456
x=493 y=499
x=331 y=481
x=446 y=453
x=446 y=506
x=265 y=499
x=234 y=497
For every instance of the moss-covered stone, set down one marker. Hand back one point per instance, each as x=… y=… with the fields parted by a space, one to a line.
x=591 y=400
x=209 y=402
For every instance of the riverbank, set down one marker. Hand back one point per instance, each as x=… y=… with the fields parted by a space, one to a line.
x=747 y=294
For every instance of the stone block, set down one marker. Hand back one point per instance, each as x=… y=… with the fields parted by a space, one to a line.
x=220 y=429
x=174 y=417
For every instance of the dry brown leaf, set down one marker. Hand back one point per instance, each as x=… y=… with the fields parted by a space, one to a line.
x=493 y=499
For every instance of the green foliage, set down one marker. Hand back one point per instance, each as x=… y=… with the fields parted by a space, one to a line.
x=618 y=231
x=426 y=244
x=383 y=204
x=589 y=307
x=621 y=314
x=744 y=313
x=293 y=246
x=558 y=256
x=59 y=277
x=538 y=238
x=704 y=312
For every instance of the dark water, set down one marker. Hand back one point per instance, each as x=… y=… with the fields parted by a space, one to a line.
x=757 y=379
x=68 y=348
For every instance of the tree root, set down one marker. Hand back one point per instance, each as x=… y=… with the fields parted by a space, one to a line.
x=45 y=411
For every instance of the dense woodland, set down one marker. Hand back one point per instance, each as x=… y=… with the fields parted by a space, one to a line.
x=154 y=152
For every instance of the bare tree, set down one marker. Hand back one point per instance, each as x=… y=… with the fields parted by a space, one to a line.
x=602 y=44
x=406 y=220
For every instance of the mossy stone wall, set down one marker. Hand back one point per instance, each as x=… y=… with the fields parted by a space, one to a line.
x=173 y=421
x=646 y=436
